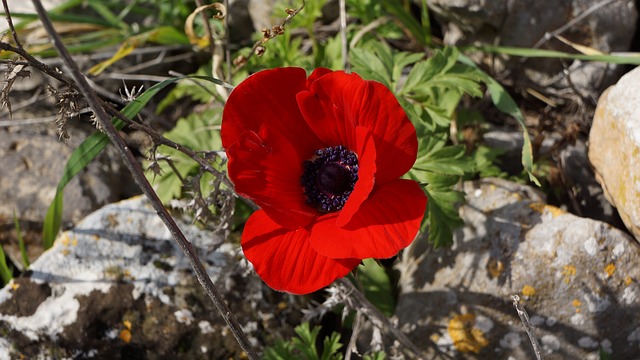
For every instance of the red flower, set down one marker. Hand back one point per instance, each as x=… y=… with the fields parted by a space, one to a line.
x=322 y=156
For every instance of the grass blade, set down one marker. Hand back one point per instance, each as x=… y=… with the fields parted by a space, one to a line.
x=613 y=58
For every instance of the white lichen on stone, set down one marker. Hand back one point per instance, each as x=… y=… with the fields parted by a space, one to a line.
x=510 y=340
x=550 y=344
x=618 y=250
x=634 y=336
x=591 y=246
x=184 y=316
x=537 y=320
x=205 y=327
x=595 y=303
x=630 y=295
x=605 y=345
x=577 y=319
x=551 y=321
x=483 y=324
x=587 y=342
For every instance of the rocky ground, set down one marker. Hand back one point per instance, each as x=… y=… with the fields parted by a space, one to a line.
x=115 y=286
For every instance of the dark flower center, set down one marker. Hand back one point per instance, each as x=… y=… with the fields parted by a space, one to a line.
x=329 y=178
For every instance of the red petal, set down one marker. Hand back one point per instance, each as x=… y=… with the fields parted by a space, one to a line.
x=284 y=259
x=350 y=101
x=387 y=222
x=366 y=171
x=316 y=74
x=268 y=97
x=267 y=169
x=326 y=120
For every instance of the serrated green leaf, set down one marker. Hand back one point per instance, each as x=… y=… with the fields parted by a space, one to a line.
x=331 y=347
x=369 y=65
x=443 y=216
x=377 y=286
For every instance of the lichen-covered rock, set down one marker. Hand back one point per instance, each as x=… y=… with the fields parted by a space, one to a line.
x=577 y=278
x=117 y=287
x=614 y=147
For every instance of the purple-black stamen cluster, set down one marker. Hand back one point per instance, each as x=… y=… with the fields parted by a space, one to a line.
x=328 y=179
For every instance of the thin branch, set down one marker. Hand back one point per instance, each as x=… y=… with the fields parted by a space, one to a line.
x=269 y=34
x=547 y=36
x=524 y=317
x=343 y=36
x=374 y=314
x=227 y=38
x=10 y=22
x=140 y=179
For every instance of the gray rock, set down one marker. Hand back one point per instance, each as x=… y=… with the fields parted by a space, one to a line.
x=33 y=164
x=577 y=278
x=524 y=23
x=614 y=148
x=117 y=286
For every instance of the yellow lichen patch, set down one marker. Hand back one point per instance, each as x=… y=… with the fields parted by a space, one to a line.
x=568 y=271
x=14 y=286
x=495 y=268
x=64 y=239
x=528 y=290
x=542 y=208
x=576 y=304
x=282 y=305
x=466 y=338
x=74 y=242
x=65 y=252
x=125 y=335
x=127 y=324
x=610 y=269
x=628 y=280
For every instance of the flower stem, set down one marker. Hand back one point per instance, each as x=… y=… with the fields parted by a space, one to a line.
x=375 y=315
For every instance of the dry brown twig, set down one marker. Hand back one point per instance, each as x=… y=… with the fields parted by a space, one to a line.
x=258 y=49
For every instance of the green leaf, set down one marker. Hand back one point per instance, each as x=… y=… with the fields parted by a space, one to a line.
x=370 y=65
x=505 y=103
x=331 y=347
x=52 y=220
x=443 y=216
x=23 y=250
x=306 y=341
x=377 y=286
x=378 y=355
x=91 y=147
x=5 y=272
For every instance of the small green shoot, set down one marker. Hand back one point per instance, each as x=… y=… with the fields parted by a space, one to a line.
x=23 y=249
x=5 y=272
